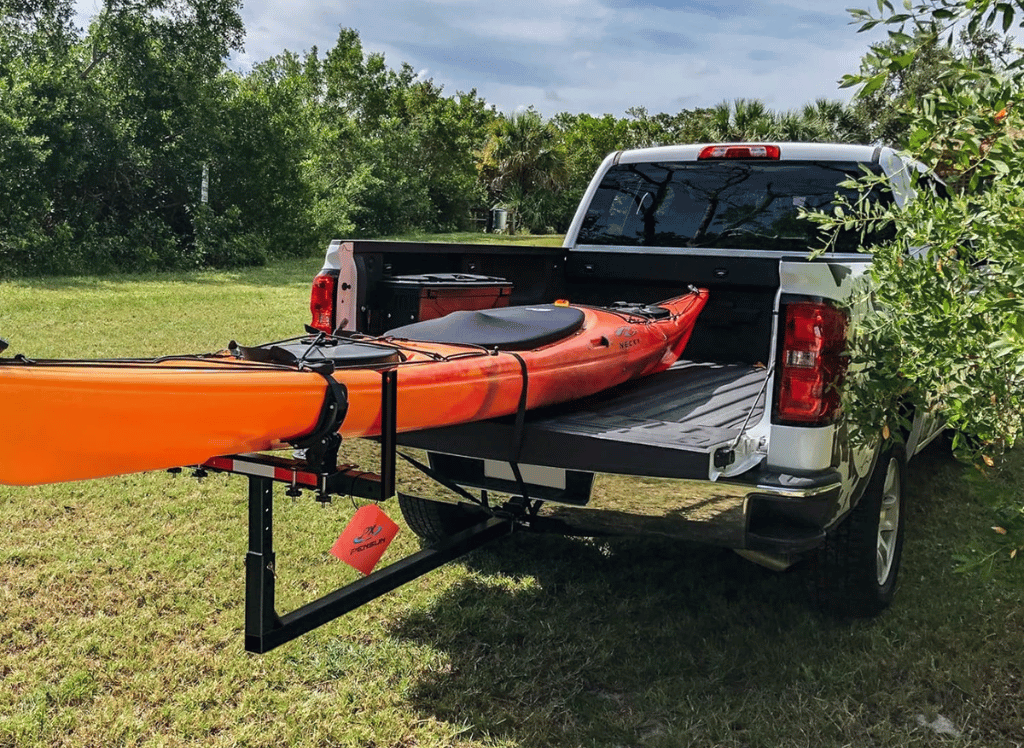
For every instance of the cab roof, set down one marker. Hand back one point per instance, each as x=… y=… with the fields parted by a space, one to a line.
x=787 y=152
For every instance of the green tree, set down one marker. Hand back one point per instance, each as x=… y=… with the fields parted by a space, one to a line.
x=448 y=132
x=390 y=152
x=646 y=130
x=948 y=333
x=37 y=93
x=823 y=121
x=116 y=123
x=907 y=67
x=741 y=120
x=22 y=157
x=587 y=140
x=157 y=66
x=524 y=164
x=257 y=190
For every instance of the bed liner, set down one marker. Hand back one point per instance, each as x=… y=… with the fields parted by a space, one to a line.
x=669 y=425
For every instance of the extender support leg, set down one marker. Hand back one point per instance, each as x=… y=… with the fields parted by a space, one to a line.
x=265 y=630
x=259 y=561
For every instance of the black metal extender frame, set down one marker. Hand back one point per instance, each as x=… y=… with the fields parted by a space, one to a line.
x=265 y=629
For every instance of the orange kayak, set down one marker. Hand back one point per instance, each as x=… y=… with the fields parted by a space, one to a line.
x=73 y=420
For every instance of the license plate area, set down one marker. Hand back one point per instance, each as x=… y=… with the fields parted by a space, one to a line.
x=542 y=482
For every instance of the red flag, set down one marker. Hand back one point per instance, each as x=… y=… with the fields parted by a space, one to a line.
x=367 y=536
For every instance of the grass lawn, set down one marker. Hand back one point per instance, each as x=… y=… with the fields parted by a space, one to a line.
x=122 y=601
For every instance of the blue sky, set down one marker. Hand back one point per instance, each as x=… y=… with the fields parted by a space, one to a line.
x=595 y=56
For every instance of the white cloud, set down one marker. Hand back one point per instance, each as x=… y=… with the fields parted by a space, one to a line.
x=596 y=56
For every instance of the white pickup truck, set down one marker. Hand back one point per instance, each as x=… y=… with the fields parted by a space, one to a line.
x=754 y=407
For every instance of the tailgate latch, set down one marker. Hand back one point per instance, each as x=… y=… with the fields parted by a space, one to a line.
x=724 y=457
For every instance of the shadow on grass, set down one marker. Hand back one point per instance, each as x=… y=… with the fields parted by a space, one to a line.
x=589 y=640
x=556 y=640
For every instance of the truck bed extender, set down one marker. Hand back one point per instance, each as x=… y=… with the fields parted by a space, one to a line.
x=754 y=406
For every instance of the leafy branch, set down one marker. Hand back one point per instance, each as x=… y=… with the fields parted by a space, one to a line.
x=946 y=331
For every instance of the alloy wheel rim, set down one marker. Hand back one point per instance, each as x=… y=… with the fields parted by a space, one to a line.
x=888 y=523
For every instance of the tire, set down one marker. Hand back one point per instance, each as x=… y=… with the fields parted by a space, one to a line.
x=854 y=574
x=434 y=520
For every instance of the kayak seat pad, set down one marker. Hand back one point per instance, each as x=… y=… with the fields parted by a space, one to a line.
x=507 y=329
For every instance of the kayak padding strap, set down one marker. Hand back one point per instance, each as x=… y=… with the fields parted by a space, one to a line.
x=506 y=329
x=517 y=434
x=513 y=458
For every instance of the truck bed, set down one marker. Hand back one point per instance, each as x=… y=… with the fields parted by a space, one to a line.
x=669 y=425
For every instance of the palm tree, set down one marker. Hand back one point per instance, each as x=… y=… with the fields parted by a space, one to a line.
x=744 y=120
x=523 y=151
x=830 y=121
x=750 y=120
x=524 y=163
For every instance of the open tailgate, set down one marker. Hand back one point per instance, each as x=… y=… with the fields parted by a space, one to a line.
x=682 y=423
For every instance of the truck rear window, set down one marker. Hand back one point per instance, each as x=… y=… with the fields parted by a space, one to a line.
x=729 y=204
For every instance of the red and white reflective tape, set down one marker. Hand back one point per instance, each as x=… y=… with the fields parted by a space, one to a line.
x=263 y=469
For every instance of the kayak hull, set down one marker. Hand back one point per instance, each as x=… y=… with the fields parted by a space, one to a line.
x=66 y=421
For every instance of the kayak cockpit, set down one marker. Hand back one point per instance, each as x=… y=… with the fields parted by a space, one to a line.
x=507 y=329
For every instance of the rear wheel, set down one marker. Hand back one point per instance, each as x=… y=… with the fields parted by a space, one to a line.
x=854 y=573
x=434 y=520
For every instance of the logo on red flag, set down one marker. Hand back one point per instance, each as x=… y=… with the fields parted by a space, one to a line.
x=366 y=537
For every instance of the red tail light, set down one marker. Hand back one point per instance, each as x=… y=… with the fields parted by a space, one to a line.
x=813 y=363
x=740 y=151
x=321 y=301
